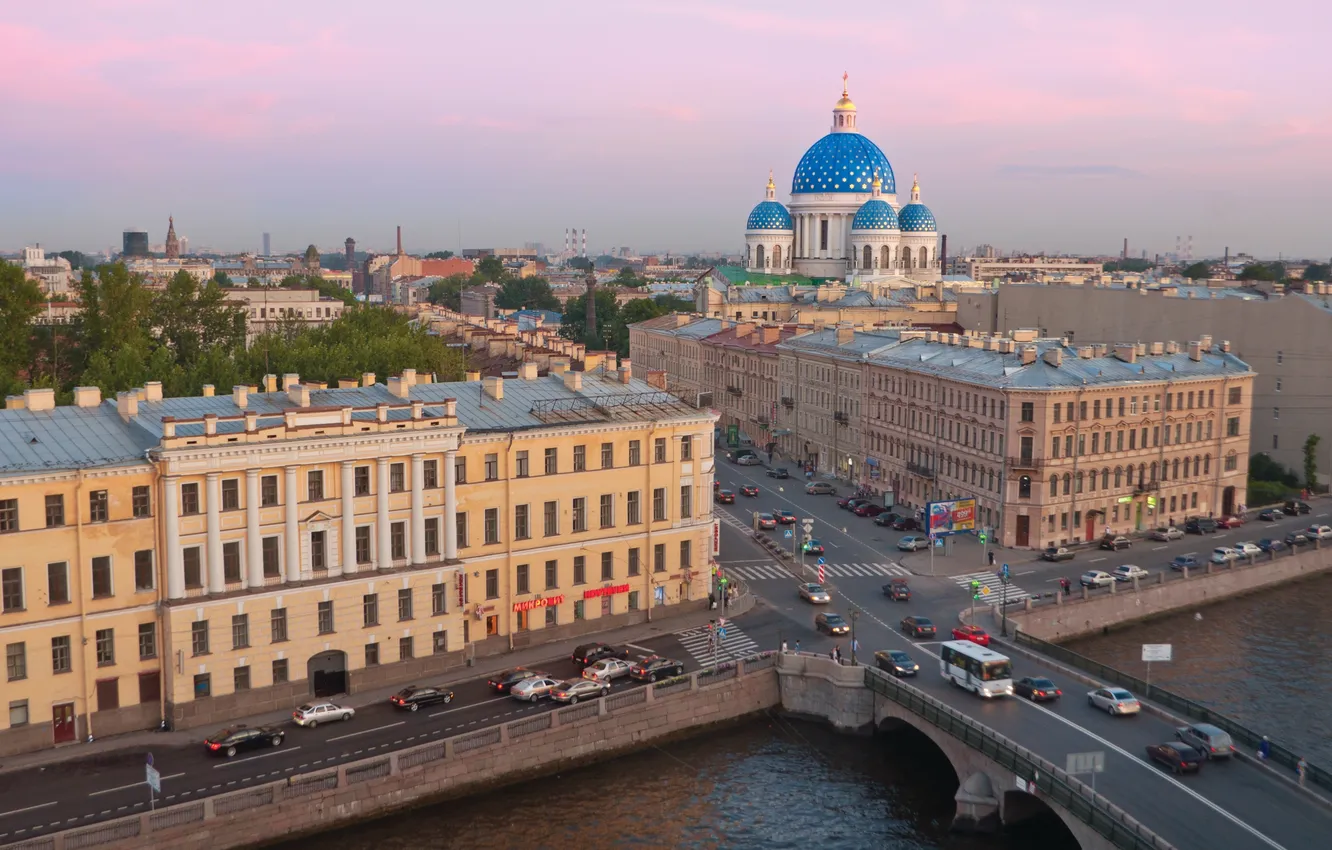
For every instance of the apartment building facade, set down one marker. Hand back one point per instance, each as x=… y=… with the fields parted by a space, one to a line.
x=673 y=345
x=741 y=367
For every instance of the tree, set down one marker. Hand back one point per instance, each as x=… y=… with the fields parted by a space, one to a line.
x=439 y=255
x=1197 y=271
x=526 y=293
x=491 y=268
x=574 y=325
x=117 y=310
x=627 y=278
x=20 y=301
x=580 y=263
x=191 y=318
x=325 y=288
x=1311 y=461
x=1263 y=468
x=77 y=259
x=447 y=292
x=1256 y=271
x=222 y=279
x=1318 y=271
x=675 y=304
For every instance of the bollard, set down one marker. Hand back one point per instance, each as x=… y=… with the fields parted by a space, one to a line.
x=1135 y=584
x=1185 y=572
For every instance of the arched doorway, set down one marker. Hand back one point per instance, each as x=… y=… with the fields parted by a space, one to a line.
x=1228 y=502
x=327 y=672
x=777 y=256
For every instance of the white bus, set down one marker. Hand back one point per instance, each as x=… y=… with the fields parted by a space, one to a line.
x=976 y=668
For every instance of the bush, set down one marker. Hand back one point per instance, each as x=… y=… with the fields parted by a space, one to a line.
x=1268 y=492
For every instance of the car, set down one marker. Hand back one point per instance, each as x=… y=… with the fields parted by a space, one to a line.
x=814 y=593
x=831 y=623
x=885 y=519
x=726 y=497
x=1270 y=515
x=850 y=502
x=779 y=472
x=535 y=688
x=1185 y=562
x=748 y=460
x=312 y=714
x=228 y=742
x=1114 y=544
x=590 y=653
x=820 y=488
x=1297 y=538
x=1229 y=522
x=607 y=670
x=906 y=523
x=655 y=667
x=504 y=680
x=1180 y=758
x=1166 y=533
x=1223 y=555
x=1057 y=553
x=1248 y=550
x=1200 y=525
x=813 y=546
x=573 y=690
x=911 y=543
x=1212 y=741
x=413 y=697
x=868 y=509
x=1318 y=532
x=896 y=662
x=975 y=634
x=1037 y=689
x=749 y=490
x=1271 y=544
x=739 y=453
x=767 y=521
x=785 y=517
x=1294 y=507
x=897 y=590
x=1096 y=578
x=1116 y=701
x=1128 y=572
x=915 y=626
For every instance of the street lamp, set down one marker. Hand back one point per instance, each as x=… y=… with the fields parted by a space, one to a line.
x=854 y=613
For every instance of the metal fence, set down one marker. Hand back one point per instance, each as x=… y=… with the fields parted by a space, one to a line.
x=367 y=771
x=232 y=803
x=1109 y=820
x=116 y=830
x=575 y=713
x=299 y=786
x=477 y=740
x=670 y=686
x=762 y=661
x=717 y=674
x=529 y=726
x=421 y=755
x=615 y=702
x=1280 y=753
x=176 y=816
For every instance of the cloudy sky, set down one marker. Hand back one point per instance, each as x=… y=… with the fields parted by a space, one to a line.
x=1033 y=125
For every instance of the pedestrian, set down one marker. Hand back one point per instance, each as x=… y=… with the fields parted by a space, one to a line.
x=992 y=559
x=855 y=648
x=1265 y=749
x=1301 y=768
x=797 y=645
x=832 y=653
x=785 y=650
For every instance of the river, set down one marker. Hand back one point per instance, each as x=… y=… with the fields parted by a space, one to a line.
x=1261 y=659
x=768 y=784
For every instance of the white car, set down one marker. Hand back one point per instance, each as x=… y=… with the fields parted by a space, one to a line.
x=607 y=669
x=1245 y=550
x=1128 y=572
x=1096 y=578
x=312 y=714
x=534 y=688
x=748 y=460
x=911 y=543
x=1167 y=534
x=1223 y=555
x=1114 y=700
x=1320 y=532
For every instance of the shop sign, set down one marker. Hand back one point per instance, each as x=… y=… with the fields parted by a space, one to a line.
x=610 y=590
x=530 y=604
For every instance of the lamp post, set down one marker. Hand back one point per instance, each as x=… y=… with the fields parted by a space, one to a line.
x=854 y=613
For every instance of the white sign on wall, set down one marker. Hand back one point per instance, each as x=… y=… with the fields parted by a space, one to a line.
x=1156 y=651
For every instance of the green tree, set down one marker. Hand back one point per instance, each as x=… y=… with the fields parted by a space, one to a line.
x=675 y=304
x=117 y=310
x=439 y=255
x=1318 y=271
x=191 y=318
x=1257 y=271
x=491 y=268
x=1129 y=265
x=574 y=324
x=626 y=277
x=222 y=279
x=1311 y=461
x=526 y=293
x=20 y=302
x=447 y=292
x=580 y=263
x=77 y=259
x=325 y=288
x=1263 y=468
x=1197 y=271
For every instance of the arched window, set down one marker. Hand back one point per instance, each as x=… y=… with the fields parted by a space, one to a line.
x=869 y=257
x=839 y=120
x=1054 y=485
x=777 y=256
x=1068 y=484
x=1153 y=471
x=758 y=256
x=1197 y=464
x=1091 y=481
x=924 y=258
x=1119 y=477
x=1142 y=475
x=885 y=258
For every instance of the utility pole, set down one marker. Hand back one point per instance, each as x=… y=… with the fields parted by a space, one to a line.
x=1003 y=601
x=854 y=613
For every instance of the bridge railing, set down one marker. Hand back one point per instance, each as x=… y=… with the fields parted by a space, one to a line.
x=1243 y=735
x=1082 y=802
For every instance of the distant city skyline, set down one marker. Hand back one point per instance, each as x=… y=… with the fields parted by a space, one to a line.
x=1040 y=127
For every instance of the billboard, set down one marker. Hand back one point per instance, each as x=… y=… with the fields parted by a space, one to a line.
x=956 y=516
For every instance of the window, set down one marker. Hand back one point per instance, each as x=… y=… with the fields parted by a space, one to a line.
x=607 y=510
x=277 y=623
x=372 y=655
x=55 y=509
x=1276 y=413
x=281 y=672
x=102 y=585
x=9 y=518
x=1029 y=411
x=318 y=551
x=522 y=579
x=492 y=584
x=231 y=562
x=1082 y=410
x=397 y=540
x=579 y=612
x=430 y=474
x=370 y=609
x=492 y=525
x=140 y=504
x=552 y=519
x=439 y=599
x=16 y=661
x=11 y=590
x=199 y=637
x=362 y=544
x=460 y=528
x=62 y=661
x=406 y=649
x=607 y=566
x=325 y=618
x=635 y=453
x=686 y=501
x=552 y=461
x=203 y=685
x=440 y=641
x=552 y=575
x=580 y=514
x=314 y=485
x=492 y=467
x=607 y=455
x=57 y=583
x=659 y=558
x=460 y=470
x=1232 y=462
x=659 y=450
x=432 y=536
x=686 y=555
x=580 y=569
x=1232 y=426
x=580 y=458
x=659 y=504
x=272 y=558
x=397 y=478
x=521 y=465
x=405 y=603
x=268 y=491
x=633 y=600
x=687 y=448
x=231 y=494
x=97 y=506
x=634 y=566
x=633 y=501
x=521 y=524
x=361 y=481
x=240 y=631
x=1234 y=394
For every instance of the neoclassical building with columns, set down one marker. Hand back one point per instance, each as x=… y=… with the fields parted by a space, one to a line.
x=843 y=220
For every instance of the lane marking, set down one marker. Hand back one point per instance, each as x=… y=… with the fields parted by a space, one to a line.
x=133 y=785
x=1027 y=573
x=1097 y=560
x=28 y=809
x=1158 y=548
x=365 y=732
x=639 y=648
x=277 y=752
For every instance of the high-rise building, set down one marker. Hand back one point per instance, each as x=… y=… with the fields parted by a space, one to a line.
x=134 y=243
x=268 y=245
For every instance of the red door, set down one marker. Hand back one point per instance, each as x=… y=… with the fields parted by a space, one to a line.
x=1023 y=531
x=1091 y=526
x=62 y=723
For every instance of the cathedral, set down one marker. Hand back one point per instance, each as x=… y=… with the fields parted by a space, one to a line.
x=843 y=220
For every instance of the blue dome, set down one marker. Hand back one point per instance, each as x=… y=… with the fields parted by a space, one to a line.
x=842 y=162
x=769 y=215
x=916 y=218
x=875 y=214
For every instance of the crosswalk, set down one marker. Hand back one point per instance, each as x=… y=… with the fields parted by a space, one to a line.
x=775 y=572
x=735 y=645
x=997 y=591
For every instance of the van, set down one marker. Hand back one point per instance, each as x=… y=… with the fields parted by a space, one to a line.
x=1200 y=525
x=1213 y=742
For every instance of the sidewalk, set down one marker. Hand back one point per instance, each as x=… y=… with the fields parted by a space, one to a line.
x=532 y=656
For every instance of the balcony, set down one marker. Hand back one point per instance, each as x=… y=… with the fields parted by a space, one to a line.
x=735 y=391
x=762 y=420
x=920 y=469
x=1026 y=464
x=1144 y=487
x=841 y=418
x=788 y=402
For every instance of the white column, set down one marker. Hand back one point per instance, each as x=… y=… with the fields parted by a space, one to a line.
x=348 y=516
x=292 y=533
x=217 y=582
x=418 y=509
x=450 y=507
x=254 y=544
x=171 y=513
x=382 y=515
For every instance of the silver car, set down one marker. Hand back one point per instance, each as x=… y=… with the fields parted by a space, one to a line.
x=312 y=714
x=1213 y=742
x=814 y=593
x=607 y=669
x=533 y=689
x=575 y=689
x=911 y=543
x=1114 y=700
x=1167 y=534
x=1096 y=578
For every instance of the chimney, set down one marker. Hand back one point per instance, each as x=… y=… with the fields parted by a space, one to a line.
x=418 y=408
x=398 y=386
x=298 y=394
x=744 y=329
x=573 y=381
x=1172 y=347
x=1054 y=356
x=270 y=383
x=14 y=402
x=451 y=408
x=127 y=404
x=367 y=379
x=591 y=360
x=290 y=380
x=208 y=390
x=87 y=396
x=1206 y=342
x=470 y=376
x=400 y=240
x=1225 y=345
x=1028 y=355
x=381 y=412
x=1126 y=351
x=210 y=424
x=251 y=421
x=347 y=384
x=528 y=370
x=409 y=377
x=1195 y=351
x=240 y=396
x=152 y=391
x=559 y=365
x=845 y=335
x=40 y=399
x=168 y=426
x=1086 y=352
x=494 y=387
x=656 y=378
x=771 y=334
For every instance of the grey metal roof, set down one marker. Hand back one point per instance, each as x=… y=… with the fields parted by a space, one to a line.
x=695 y=330
x=67 y=438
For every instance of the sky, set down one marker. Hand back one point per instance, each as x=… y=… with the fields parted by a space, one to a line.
x=1034 y=126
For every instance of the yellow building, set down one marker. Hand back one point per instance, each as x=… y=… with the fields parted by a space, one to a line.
x=78 y=580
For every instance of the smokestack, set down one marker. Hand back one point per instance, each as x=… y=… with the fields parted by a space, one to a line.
x=1125 y=257
x=400 y=240
x=351 y=257
x=585 y=242
x=1227 y=256
x=593 y=341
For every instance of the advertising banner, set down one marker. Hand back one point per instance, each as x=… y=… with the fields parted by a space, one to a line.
x=955 y=516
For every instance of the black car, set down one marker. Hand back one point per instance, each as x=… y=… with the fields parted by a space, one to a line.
x=1271 y=544
x=897 y=590
x=779 y=472
x=919 y=627
x=413 y=697
x=228 y=742
x=1057 y=553
x=1270 y=515
x=906 y=523
x=1200 y=525
x=885 y=519
x=726 y=497
x=1114 y=544
x=1295 y=507
x=655 y=667
x=1180 y=758
x=590 y=653
x=1036 y=689
x=502 y=681
x=1297 y=538
x=897 y=662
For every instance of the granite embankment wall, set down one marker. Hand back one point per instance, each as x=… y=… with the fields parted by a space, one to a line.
x=1127 y=602
x=540 y=744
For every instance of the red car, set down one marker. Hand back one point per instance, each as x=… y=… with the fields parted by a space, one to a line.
x=749 y=490
x=785 y=517
x=1229 y=522
x=975 y=634
x=725 y=497
x=868 y=509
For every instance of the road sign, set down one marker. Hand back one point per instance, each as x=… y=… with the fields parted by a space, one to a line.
x=822 y=562
x=721 y=633
x=985 y=591
x=154 y=778
x=1005 y=571
x=150 y=759
x=1156 y=651
x=808 y=525
x=787 y=534
x=1081 y=763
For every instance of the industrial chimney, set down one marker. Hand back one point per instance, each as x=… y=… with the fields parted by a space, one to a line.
x=400 y=240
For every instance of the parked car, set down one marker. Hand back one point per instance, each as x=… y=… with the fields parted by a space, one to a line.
x=1096 y=578
x=1318 y=532
x=1180 y=758
x=1212 y=741
x=885 y=519
x=749 y=490
x=1114 y=544
x=813 y=546
x=575 y=689
x=535 y=688
x=1200 y=525
x=228 y=742
x=820 y=488
x=312 y=714
x=1297 y=538
x=975 y=634
x=748 y=460
x=1037 y=689
x=736 y=455
x=1057 y=553
x=919 y=627
x=504 y=681
x=906 y=523
x=868 y=509
x=897 y=590
x=607 y=670
x=897 y=662
x=1167 y=533
x=766 y=521
x=1246 y=550
x=1185 y=562
x=1270 y=515
x=726 y=497
x=1114 y=700
x=655 y=667
x=1271 y=544
x=850 y=502
x=1128 y=572
x=1229 y=522
x=779 y=472
x=784 y=517
x=1223 y=555
x=911 y=543
x=590 y=653
x=814 y=593
x=831 y=623
x=413 y=697
x=1294 y=507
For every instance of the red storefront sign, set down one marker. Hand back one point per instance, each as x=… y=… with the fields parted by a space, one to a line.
x=530 y=604
x=605 y=591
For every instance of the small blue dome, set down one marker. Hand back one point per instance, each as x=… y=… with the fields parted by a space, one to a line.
x=842 y=162
x=769 y=215
x=916 y=218
x=875 y=214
